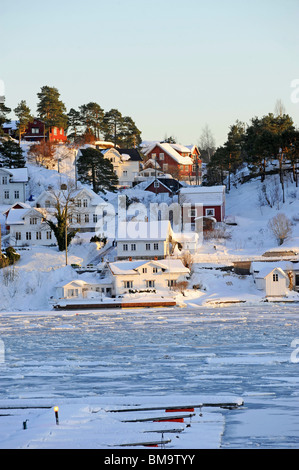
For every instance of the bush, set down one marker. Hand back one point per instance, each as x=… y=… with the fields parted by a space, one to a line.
x=281 y=228
x=9 y=257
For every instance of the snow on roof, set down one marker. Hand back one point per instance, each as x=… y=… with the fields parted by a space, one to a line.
x=268 y=270
x=172 y=152
x=139 y=230
x=203 y=189
x=16 y=217
x=19 y=175
x=131 y=267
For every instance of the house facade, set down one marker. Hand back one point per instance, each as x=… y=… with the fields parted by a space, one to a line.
x=126 y=164
x=13 y=184
x=274 y=282
x=147 y=276
x=181 y=162
x=29 y=227
x=86 y=211
x=207 y=202
x=163 y=185
x=36 y=132
x=145 y=240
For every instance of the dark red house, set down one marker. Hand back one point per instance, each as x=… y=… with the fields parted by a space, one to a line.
x=172 y=158
x=36 y=132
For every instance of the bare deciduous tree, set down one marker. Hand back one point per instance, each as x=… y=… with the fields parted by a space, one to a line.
x=281 y=227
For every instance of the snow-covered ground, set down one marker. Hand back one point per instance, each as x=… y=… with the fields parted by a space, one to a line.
x=89 y=363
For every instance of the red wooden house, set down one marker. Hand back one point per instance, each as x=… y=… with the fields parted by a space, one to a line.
x=172 y=158
x=207 y=202
x=36 y=132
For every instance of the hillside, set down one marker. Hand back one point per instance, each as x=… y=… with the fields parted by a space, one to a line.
x=31 y=283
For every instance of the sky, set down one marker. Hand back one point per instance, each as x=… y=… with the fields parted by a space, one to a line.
x=173 y=66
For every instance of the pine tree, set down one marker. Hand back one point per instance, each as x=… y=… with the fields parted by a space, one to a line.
x=91 y=116
x=11 y=155
x=51 y=109
x=94 y=169
x=23 y=113
x=4 y=110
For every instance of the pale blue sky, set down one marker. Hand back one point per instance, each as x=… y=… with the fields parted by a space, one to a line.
x=172 y=65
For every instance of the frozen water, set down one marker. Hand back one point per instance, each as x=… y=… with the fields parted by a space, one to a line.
x=162 y=353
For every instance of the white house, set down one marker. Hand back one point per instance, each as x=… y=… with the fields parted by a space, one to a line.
x=273 y=281
x=13 y=185
x=29 y=227
x=126 y=164
x=87 y=207
x=80 y=289
x=147 y=240
x=148 y=276
x=290 y=268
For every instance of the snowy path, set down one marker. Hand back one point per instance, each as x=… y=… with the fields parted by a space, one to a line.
x=89 y=362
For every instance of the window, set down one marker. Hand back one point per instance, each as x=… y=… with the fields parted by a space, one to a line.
x=125 y=173
x=34 y=130
x=165 y=166
x=47 y=203
x=161 y=156
x=154 y=156
x=86 y=218
x=155 y=270
x=192 y=212
x=49 y=235
x=210 y=212
x=6 y=194
x=78 y=203
x=55 y=130
x=85 y=203
x=28 y=235
x=18 y=236
x=33 y=220
x=72 y=292
x=147 y=246
x=144 y=270
x=156 y=246
x=171 y=282
x=125 y=247
x=133 y=246
x=156 y=184
x=275 y=277
x=95 y=217
x=17 y=194
x=150 y=283
x=4 y=179
x=38 y=235
x=78 y=217
x=128 y=284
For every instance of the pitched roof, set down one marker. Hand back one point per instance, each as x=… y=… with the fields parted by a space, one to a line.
x=167 y=148
x=131 y=267
x=133 y=154
x=170 y=183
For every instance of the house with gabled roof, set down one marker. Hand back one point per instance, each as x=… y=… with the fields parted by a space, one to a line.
x=176 y=161
x=29 y=227
x=13 y=183
x=147 y=276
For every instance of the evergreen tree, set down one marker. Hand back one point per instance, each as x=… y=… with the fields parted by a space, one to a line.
x=112 y=123
x=94 y=169
x=4 y=110
x=130 y=134
x=74 y=122
x=11 y=155
x=51 y=109
x=23 y=113
x=91 y=116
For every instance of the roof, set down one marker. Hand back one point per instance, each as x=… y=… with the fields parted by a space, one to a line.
x=130 y=267
x=170 y=183
x=266 y=270
x=16 y=216
x=133 y=154
x=203 y=189
x=137 y=230
x=19 y=175
x=172 y=152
